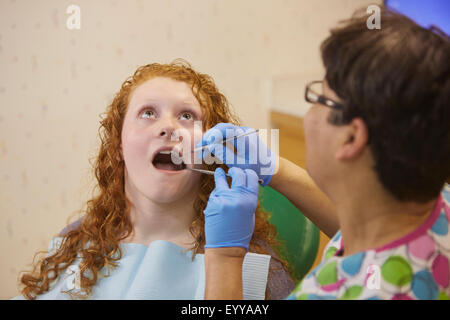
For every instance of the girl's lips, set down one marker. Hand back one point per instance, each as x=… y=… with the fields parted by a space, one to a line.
x=164 y=168
x=168 y=160
x=174 y=171
x=170 y=171
x=168 y=168
x=167 y=150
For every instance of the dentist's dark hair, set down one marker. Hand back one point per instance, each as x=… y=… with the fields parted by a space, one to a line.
x=397 y=79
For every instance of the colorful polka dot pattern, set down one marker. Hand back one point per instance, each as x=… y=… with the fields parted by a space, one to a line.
x=416 y=269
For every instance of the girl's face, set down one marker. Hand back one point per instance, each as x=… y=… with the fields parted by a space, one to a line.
x=159 y=111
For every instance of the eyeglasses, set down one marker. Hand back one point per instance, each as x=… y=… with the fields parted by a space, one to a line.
x=312 y=96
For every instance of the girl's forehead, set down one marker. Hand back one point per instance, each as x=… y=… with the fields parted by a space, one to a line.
x=161 y=87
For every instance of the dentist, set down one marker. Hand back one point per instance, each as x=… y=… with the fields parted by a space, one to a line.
x=377 y=160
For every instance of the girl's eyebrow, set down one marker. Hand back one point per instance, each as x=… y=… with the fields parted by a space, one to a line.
x=139 y=104
x=191 y=105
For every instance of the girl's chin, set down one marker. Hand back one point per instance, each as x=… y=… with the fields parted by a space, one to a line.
x=165 y=196
x=174 y=179
x=168 y=191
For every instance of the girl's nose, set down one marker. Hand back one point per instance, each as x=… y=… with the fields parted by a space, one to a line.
x=163 y=133
x=166 y=132
x=167 y=129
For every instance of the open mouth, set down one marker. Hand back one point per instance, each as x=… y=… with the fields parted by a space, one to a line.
x=163 y=161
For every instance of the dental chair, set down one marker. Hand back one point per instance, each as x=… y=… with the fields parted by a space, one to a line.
x=298 y=236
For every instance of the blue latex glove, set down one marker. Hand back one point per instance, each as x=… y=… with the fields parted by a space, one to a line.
x=230 y=212
x=252 y=153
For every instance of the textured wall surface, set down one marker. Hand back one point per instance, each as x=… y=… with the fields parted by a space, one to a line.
x=54 y=83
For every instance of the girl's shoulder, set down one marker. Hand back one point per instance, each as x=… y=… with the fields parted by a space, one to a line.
x=70 y=227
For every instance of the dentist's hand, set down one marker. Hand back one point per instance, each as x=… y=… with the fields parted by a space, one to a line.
x=252 y=153
x=230 y=212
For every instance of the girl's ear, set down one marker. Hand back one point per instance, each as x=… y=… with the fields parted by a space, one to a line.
x=357 y=137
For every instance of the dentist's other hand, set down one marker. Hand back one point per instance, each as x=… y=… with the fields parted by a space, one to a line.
x=252 y=153
x=230 y=212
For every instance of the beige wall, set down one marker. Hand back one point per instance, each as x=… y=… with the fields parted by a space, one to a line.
x=55 y=82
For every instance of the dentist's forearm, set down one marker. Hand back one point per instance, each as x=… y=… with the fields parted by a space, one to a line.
x=223 y=273
x=297 y=186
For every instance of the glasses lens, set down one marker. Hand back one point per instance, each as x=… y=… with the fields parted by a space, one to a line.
x=313 y=92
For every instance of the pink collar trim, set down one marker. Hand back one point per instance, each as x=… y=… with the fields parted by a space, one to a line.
x=419 y=231
x=411 y=236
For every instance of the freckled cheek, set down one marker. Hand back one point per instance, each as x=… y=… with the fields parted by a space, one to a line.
x=196 y=136
x=135 y=146
x=188 y=137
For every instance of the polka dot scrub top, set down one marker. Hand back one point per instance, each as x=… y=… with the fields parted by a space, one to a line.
x=415 y=266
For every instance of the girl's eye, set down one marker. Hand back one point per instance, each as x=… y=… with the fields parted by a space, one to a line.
x=187 y=116
x=150 y=113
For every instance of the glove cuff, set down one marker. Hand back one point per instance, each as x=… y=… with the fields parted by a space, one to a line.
x=226 y=245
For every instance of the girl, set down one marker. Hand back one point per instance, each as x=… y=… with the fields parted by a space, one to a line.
x=142 y=235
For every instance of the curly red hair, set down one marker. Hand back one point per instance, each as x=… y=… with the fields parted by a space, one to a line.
x=106 y=221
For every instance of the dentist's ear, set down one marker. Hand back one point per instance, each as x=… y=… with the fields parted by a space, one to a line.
x=356 y=137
